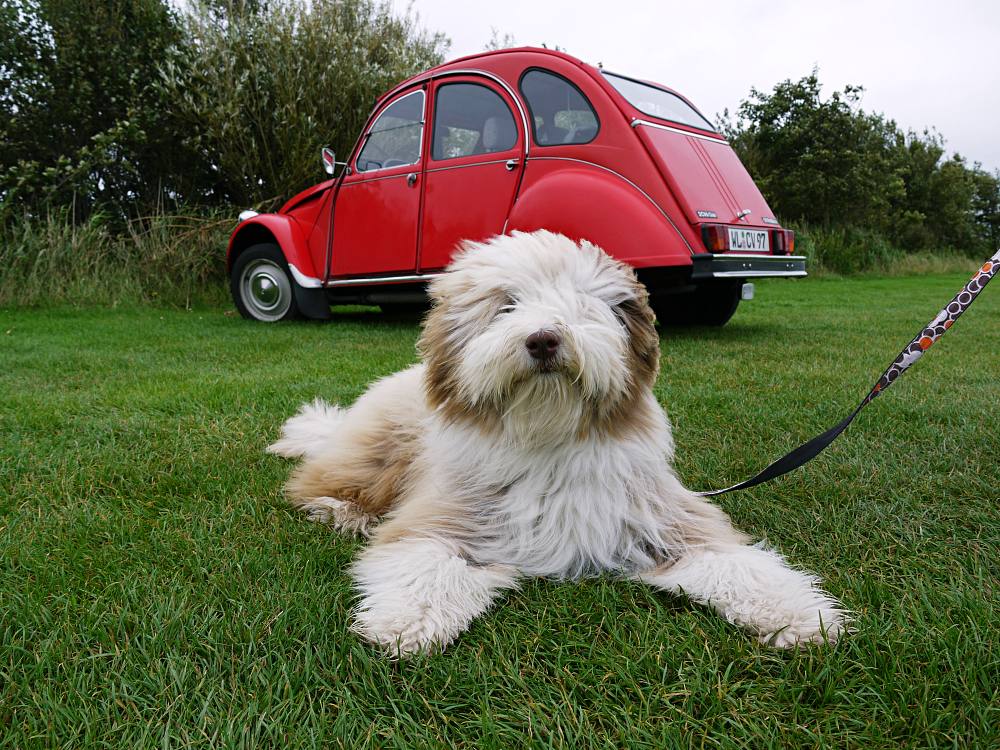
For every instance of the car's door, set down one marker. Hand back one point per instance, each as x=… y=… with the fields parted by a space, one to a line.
x=474 y=165
x=377 y=213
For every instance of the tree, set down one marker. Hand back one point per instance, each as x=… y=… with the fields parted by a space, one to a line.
x=258 y=91
x=128 y=106
x=986 y=207
x=819 y=161
x=76 y=100
x=826 y=162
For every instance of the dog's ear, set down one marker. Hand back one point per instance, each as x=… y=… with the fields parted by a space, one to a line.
x=644 y=342
x=637 y=317
x=446 y=328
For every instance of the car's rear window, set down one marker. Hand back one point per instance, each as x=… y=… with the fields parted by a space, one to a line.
x=657 y=102
x=560 y=113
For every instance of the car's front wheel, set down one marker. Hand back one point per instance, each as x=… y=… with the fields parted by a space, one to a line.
x=710 y=304
x=262 y=286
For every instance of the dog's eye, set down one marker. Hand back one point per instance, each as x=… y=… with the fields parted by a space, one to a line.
x=508 y=305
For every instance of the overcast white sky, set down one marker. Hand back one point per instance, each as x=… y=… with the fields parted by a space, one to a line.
x=924 y=64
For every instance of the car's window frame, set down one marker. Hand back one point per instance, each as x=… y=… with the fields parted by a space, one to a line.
x=710 y=129
x=371 y=130
x=531 y=114
x=468 y=81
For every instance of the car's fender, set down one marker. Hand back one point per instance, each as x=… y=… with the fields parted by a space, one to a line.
x=587 y=201
x=285 y=232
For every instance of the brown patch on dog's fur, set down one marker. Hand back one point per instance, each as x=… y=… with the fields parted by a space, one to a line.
x=371 y=472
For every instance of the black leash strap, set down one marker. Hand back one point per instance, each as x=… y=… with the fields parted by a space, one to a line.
x=910 y=354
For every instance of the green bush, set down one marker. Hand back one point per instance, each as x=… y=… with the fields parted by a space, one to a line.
x=80 y=121
x=849 y=250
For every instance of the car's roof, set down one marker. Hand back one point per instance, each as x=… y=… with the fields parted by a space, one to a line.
x=492 y=63
x=464 y=62
x=540 y=55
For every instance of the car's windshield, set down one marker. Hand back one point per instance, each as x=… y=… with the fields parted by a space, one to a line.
x=657 y=102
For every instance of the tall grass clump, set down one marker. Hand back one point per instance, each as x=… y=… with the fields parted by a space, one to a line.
x=851 y=250
x=178 y=260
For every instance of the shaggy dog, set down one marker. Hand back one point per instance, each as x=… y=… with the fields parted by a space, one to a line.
x=528 y=443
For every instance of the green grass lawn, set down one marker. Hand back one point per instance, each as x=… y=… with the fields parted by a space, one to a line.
x=155 y=591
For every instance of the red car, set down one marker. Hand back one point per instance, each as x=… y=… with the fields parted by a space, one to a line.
x=518 y=139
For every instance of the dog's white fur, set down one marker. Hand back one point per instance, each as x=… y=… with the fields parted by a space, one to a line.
x=481 y=465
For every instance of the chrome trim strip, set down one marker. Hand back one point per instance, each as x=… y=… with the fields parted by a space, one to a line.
x=401 y=175
x=506 y=87
x=755 y=274
x=462 y=166
x=636 y=122
x=763 y=257
x=369 y=280
x=626 y=179
x=307 y=282
x=248 y=214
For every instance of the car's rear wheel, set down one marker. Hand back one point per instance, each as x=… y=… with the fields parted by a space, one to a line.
x=261 y=285
x=710 y=304
x=403 y=309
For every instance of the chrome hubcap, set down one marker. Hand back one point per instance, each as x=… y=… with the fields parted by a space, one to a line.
x=267 y=293
x=265 y=289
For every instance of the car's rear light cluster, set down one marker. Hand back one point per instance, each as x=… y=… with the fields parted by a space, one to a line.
x=782 y=242
x=716 y=239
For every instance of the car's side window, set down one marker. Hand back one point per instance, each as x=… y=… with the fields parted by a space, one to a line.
x=394 y=140
x=471 y=119
x=560 y=113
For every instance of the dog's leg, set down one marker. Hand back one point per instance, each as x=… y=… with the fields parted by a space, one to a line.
x=417 y=594
x=754 y=588
x=750 y=586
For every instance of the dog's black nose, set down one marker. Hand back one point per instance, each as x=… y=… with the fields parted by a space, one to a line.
x=542 y=344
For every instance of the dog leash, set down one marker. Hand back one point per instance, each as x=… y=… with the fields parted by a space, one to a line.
x=910 y=354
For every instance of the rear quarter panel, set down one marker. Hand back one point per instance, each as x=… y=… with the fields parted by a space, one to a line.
x=587 y=201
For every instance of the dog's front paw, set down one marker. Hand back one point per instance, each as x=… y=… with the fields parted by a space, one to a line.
x=418 y=595
x=401 y=630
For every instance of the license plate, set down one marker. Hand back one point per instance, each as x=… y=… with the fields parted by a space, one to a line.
x=748 y=240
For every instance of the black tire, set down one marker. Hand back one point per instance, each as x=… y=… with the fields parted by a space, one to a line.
x=261 y=285
x=711 y=304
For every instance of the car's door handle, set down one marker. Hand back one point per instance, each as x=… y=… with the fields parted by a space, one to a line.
x=411 y=179
x=511 y=165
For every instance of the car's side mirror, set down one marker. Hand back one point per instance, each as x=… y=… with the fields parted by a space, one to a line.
x=330 y=161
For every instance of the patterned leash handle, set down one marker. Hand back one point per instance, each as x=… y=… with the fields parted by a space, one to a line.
x=910 y=354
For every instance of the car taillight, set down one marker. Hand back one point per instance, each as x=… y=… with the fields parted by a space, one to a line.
x=715 y=238
x=783 y=242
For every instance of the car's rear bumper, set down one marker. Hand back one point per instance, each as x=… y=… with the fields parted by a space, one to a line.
x=745 y=266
